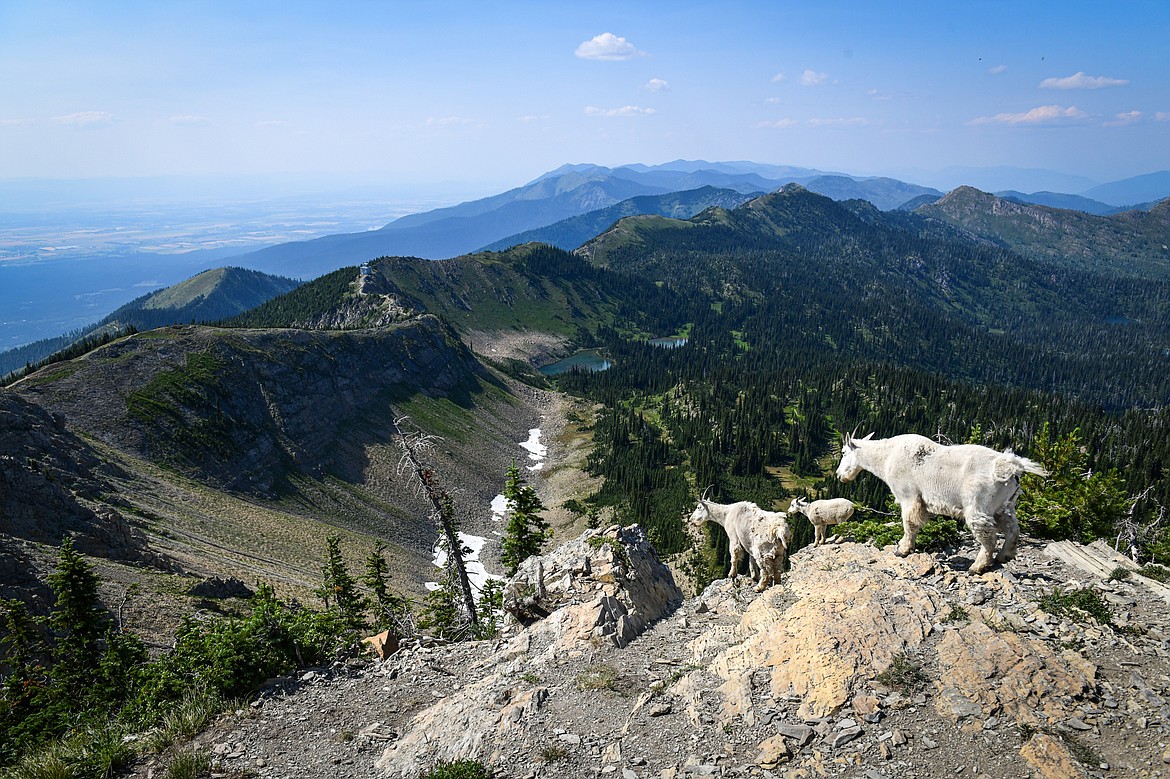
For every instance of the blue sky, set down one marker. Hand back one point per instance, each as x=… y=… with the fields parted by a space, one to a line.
x=495 y=93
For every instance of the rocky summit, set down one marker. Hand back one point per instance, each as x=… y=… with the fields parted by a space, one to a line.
x=859 y=664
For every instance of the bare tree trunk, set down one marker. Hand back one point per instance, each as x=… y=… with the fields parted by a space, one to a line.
x=443 y=511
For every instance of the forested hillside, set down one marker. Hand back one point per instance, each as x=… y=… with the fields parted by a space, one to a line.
x=806 y=318
x=1132 y=243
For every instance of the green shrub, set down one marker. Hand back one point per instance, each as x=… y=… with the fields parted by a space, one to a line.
x=1073 y=501
x=225 y=658
x=597 y=677
x=458 y=769
x=903 y=674
x=1158 y=573
x=189 y=765
x=1077 y=605
x=956 y=614
x=937 y=534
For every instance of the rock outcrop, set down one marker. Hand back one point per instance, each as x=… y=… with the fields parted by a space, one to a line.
x=860 y=665
x=604 y=588
x=53 y=485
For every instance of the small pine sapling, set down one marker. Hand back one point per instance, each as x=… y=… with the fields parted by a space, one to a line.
x=526 y=530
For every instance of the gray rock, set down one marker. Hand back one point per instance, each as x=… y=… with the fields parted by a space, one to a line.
x=801 y=734
x=845 y=736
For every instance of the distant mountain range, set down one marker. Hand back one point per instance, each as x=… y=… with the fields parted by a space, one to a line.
x=566 y=192
x=596 y=196
x=576 y=230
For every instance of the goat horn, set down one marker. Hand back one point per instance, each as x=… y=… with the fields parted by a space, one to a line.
x=703 y=497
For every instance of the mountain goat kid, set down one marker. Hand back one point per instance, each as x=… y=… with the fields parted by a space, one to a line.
x=822 y=513
x=763 y=536
x=974 y=483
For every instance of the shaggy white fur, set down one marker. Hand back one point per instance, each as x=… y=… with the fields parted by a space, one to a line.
x=974 y=483
x=763 y=536
x=822 y=513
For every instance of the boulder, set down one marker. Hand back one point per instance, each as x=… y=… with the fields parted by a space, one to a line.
x=607 y=585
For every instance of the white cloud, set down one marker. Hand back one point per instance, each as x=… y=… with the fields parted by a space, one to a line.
x=657 y=85
x=779 y=124
x=810 y=78
x=608 y=47
x=272 y=123
x=86 y=119
x=995 y=71
x=1045 y=114
x=626 y=110
x=773 y=100
x=778 y=78
x=1122 y=119
x=533 y=118
x=187 y=120
x=1162 y=116
x=1080 y=81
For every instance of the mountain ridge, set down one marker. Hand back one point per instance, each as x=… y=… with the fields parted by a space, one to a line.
x=208 y=296
x=1132 y=242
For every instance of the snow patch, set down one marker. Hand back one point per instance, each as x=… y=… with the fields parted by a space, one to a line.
x=476 y=573
x=536 y=450
x=499 y=508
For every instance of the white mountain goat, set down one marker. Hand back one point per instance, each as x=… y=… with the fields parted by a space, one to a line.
x=822 y=513
x=763 y=536
x=974 y=483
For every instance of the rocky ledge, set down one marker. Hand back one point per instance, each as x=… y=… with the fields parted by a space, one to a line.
x=860 y=664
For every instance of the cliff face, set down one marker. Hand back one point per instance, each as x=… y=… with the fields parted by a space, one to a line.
x=51 y=483
x=243 y=409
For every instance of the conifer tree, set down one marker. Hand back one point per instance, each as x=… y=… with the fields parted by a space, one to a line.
x=526 y=530
x=389 y=608
x=338 y=588
x=456 y=581
x=77 y=620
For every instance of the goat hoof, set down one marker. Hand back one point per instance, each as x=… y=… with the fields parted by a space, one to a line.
x=979 y=566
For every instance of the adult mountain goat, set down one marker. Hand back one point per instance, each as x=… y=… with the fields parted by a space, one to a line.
x=971 y=482
x=763 y=536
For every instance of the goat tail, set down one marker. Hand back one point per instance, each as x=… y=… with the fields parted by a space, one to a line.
x=1010 y=465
